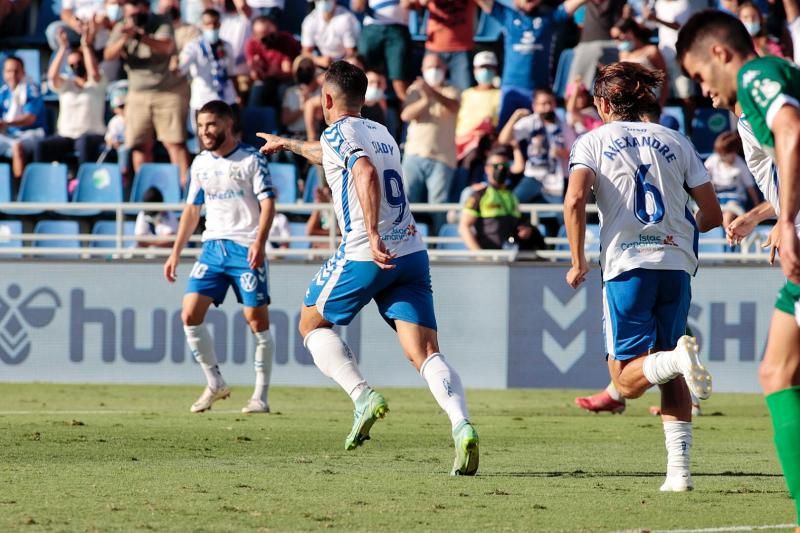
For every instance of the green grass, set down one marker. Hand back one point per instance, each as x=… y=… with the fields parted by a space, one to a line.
x=67 y=465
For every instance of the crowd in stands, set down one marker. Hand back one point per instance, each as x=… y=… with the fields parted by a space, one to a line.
x=485 y=97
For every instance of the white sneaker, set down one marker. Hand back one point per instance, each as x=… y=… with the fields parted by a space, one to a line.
x=678 y=483
x=210 y=396
x=697 y=377
x=255 y=405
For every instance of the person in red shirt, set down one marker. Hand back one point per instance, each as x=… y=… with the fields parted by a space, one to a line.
x=450 y=31
x=269 y=53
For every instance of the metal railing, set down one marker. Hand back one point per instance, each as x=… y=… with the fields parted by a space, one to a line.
x=127 y=246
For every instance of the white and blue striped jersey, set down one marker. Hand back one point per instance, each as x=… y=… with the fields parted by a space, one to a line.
x=231 y=187
x=642 y=175
x=344 y=143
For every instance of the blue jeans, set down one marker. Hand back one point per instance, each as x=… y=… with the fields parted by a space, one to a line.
x=511 y=99
x=421 y=175
x=458 y=68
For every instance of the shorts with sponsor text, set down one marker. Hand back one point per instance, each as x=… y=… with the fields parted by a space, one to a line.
x=223 y=264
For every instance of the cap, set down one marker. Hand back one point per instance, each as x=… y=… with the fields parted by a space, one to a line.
x=484 y=59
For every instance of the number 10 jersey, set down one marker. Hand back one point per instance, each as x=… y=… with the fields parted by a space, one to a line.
x=643 y=172
x=345 y=142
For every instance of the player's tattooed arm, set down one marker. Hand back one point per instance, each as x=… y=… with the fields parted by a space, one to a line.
x=311 y=150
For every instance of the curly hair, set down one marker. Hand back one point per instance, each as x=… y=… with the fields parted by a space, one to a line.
x=630 y=89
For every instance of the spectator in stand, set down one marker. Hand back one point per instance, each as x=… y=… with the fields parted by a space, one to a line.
x=480 y=106
x=208 y=62
x=75 y=17
x=329 y=33
x=581 y=115
x=160 y=97
x=375 y=98
x=633 y=43
x=267 y=8
x=306 y=90
x=319 y=223
x=269 y=53
x=21 y=114
x=430 y=109
x=730 y=176
x=235 y=28
x=753 y=20
x=540 y=152
x=528 y=30
x=491 y=218
x=81 y=103
x=155 y=223
x=450 y=33
x=596 y=45
x=385 y=42
x=184 y=32
x=115 y=134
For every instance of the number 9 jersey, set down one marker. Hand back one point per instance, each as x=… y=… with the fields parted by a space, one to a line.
x=345 y=142
x=643 y=172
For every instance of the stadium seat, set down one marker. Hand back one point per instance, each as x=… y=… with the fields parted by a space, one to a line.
x=9 y=228
x=423 y=229
x=487 y=29
x=41 y=182
x=109 y=227
x=312 y=180
x=5 y=183
x=676 y=113
x=707 y=124
x=58 y=227
x=561 y=79
x=284 y=179
x=418 y=25
x=298 y=229
x=450 y=230
x=256 y=119
x=97 y=184
x=164 y=176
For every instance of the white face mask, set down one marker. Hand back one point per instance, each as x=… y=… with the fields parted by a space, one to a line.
x=373 y=94
x=433 y=76
x=324 y=6
x=114 y=12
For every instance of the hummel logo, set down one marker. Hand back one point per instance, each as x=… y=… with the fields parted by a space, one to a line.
x=37 y=311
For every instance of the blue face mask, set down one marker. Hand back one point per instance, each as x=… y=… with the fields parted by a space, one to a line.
x=625 y=46
x=114 y=12
x=753 y=28
x=324 y=6
x=484 y=76
x=211 y=35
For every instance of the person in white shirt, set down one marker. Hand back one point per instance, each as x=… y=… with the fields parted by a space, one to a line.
x=267 y=8
x=642 y=175
x=81 y=103
x=730 y=177
x=235 y=29
x=76 y=16
x=330 y=30
x=155 y=223
x=382 y=258
x=232 y=181
x=209 y=63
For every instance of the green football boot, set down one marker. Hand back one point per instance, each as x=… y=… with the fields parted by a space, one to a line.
x=370 y=406
x=466 y=440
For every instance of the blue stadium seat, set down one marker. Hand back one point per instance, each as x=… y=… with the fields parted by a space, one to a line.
x=42 y=182
x=284 y=179
x=487 y=29
x=298 y=229
x=256 y=119
x=292 y=17
x=9 y=228
x=109 y=227
x=5 y=183
x=450 y=230
x=423 y=229
x=676 y=113
x=58 y=227
x=561 y=79
x=97 y=184
x=164 y=176
x=312 y=181
x=707 y=124
x=418 y=25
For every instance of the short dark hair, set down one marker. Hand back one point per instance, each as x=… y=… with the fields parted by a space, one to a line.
x=728 y=142
x=266 y=18
x=544 y=90
x=218 y=108
x=713 y=24
x=138 y=3
x=638 y=31
x=630 y=88
x=501 y=150
x=211 y=12
x=350 y=80
x=17 y=59
x=153 y=195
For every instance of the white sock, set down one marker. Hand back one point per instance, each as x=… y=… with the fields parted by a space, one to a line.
x=334 y=359
x=614 y=393
x=199 y=340
x=265 y=348
x=679 y=444
x=661 y=367
x=445 y=384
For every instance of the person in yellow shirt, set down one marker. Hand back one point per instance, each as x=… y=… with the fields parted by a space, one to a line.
x=480 y=106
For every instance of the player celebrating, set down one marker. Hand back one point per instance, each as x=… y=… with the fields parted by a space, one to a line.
x=382 y=258
x=640 y=173
x=234 y=183
x=716 y=51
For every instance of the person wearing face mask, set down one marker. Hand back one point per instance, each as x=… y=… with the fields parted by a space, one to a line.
x=208 y=62
x=491 y=217
x=81 y=102
x=450 y=33
x=269 y=53
x=753 y=21
x=633 y=43
x=329 y=33
x=375 y=98
x=429 y=163
x=480 y=105
x=297 y=96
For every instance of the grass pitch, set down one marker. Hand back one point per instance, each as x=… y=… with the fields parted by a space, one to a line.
x=134 y=458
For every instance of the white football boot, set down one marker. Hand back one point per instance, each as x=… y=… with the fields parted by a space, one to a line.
x=210 y=396
x=255 y=405
x=678 y=483
x=696 y=375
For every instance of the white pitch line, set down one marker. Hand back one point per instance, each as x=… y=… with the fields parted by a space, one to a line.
x=726 y=528
x=110 y=412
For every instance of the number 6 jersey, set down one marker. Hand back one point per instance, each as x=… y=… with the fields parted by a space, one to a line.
x=642 y=175
x=345 y=142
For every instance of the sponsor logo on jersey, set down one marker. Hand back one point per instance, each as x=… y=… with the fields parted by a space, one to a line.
x=403 y=233
x=669 y=240
x=649 y=242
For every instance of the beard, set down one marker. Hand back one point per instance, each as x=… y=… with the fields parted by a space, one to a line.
x=215 y=142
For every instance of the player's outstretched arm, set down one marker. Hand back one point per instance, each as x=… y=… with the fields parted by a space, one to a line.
x=786 y=130
x=368 y=189
x=189 y=220
x=743 y=225
x=311 y=150
x=580 y=185
x=709 y=214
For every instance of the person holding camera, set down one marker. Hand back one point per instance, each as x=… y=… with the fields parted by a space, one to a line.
x=145 y=42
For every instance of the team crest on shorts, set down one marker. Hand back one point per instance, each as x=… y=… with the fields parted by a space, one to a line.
x=247 y=282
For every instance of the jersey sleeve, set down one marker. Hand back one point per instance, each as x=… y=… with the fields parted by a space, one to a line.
x=345 y=141
x=195 y=194
x=262 y=179
x=764 y=87
x=583 y=154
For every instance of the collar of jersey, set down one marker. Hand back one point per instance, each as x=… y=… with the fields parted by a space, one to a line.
x=226 y=156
